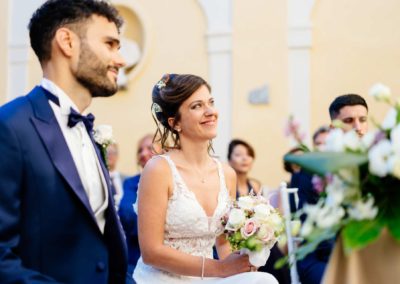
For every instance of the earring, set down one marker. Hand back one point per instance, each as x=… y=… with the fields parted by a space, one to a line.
x=178 y=130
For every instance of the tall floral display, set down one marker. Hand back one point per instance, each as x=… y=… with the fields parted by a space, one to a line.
x=360 y=183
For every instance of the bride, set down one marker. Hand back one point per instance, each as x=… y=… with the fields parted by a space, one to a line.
x=184 y=193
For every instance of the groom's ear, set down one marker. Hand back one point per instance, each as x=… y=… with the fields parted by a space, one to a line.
x=66 y=41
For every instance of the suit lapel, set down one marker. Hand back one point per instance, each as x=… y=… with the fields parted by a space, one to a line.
x=50 y=132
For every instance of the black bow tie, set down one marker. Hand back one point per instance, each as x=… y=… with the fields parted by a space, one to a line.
x=74 y=116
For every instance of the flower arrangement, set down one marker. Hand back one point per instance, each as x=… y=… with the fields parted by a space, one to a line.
x=253 y=226
x=360 y=179
x=103 y=136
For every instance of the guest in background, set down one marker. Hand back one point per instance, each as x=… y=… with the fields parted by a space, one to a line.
x=241 y=157
x=319 y=137
x=352 y=111
x=145 y=151
x=117 y=179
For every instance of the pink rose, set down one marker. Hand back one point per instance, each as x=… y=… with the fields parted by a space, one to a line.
x=249 y=228
x=266 y=233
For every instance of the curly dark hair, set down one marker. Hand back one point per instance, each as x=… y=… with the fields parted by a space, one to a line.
x=54 y=14
x=168 y=95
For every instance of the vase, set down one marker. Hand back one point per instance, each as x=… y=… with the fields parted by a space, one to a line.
x=379 y=262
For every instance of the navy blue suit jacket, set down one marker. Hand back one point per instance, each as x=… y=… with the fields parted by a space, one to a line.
x=48 y=233
x=129 y=219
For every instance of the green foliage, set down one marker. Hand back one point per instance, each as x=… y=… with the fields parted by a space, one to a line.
x=322 y=163
x=358 y=234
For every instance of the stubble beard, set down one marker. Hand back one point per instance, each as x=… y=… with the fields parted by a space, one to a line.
x=92 y=74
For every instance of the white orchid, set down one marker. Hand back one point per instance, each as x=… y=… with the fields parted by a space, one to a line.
x=378 y=158
x=335 y=141
x=390 y=120
x=361 y=210
x=380 y=92
x=352 y=141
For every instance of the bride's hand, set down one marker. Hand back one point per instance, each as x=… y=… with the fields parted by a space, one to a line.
x=235 y=263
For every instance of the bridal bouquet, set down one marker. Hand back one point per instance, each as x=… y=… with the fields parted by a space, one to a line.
x=253 y=226
x=360 y=178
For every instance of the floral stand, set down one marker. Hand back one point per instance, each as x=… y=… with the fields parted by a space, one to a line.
x=378 y=263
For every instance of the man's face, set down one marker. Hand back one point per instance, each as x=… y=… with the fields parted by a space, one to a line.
x=99 y=58
x=354 y=117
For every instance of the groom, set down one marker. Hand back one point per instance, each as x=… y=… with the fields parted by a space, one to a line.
x=57 y=219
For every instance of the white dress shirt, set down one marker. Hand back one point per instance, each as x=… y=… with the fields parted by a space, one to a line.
x=83 y=153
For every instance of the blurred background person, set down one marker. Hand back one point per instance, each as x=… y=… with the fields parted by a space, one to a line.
x=352 y=111
x=241 y=158
x=319 y=137
x=145 y=151
x=117 y=178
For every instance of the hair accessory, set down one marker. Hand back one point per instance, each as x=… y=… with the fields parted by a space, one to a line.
x=156 y=108
x=161 y=84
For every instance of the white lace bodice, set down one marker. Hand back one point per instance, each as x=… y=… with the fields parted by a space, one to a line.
x=190 y=230
x=187 y=226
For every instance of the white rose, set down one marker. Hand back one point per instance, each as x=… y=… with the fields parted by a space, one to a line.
x=246 y=202
x=262 y=211
x=380 y=92
x=236 y=219
x=390 y=120
x=378 y=158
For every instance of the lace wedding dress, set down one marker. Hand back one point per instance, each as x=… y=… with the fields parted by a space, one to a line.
x=189 y=230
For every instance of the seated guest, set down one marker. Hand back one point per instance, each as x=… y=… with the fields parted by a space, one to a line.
x=241 y=157
x=319 y=137
x=127 y=215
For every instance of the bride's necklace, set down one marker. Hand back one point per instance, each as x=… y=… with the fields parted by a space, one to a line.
x=200 y=175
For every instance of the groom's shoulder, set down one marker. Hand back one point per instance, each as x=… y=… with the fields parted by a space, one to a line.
x=15 y=109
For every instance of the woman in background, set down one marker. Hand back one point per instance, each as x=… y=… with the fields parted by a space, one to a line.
x=241 y=157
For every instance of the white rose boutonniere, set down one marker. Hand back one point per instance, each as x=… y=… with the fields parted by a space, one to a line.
x=103 y=136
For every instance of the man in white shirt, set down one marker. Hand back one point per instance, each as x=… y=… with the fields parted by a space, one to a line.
x=57 y=218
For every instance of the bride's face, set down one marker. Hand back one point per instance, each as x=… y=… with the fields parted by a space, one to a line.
x=198 y=116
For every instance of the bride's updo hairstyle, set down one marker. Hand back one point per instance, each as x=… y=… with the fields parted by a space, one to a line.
x=168 y=95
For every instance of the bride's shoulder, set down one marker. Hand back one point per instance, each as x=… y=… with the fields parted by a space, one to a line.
x=228 y=171
x=157 y=164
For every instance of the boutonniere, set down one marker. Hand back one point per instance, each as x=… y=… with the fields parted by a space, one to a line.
x=103 y=137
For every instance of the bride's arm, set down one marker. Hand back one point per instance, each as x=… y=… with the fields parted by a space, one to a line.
x=222 y=244
x=154 y=188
